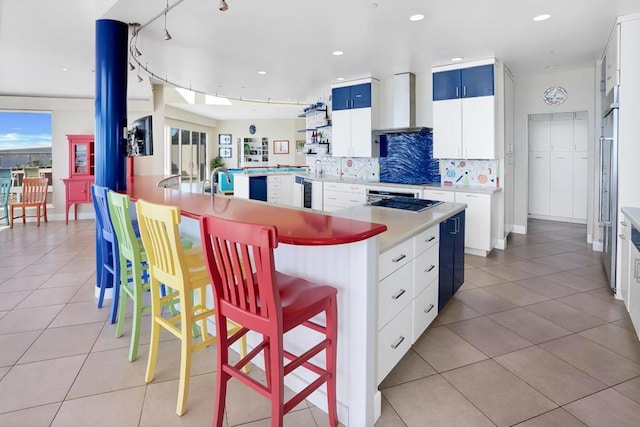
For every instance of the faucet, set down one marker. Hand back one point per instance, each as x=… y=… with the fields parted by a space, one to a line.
x=317 y=163
x=213 y=180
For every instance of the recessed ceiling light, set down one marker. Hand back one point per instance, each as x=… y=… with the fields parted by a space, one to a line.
x=542 y=17
x=417 y=17
x=457 y=59
x=549 y=67
x=340 y=79
x=373 y=5
x=338 y=53
x=262 y=72
x=65 y=69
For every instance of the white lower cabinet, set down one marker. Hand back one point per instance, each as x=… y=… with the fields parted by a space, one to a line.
x=439 y=195
x=625 y=256
x=338 y=195
x=407 y=296
x=478 y=230
x=634 y=287
x=279 y=189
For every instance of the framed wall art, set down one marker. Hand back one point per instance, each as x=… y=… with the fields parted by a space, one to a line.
x=224 y=139
x=281 y=147
x=224 y=152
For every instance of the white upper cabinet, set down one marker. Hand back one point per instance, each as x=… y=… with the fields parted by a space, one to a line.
x=355 y=114
x=581 y=131
x=464 y=112
x=561 y=132
x=540 y=132
x=612 y=61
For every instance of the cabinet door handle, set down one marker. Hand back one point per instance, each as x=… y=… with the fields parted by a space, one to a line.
x=397 y=343
x=457 y=219
x=621 y=236
x=429 y=309
x=430 y=239
x=400 y=258
x=635 y=270
x=457 y=92
x=431 y=267
x=399 y=294
x=464 y=91
x=622 y=223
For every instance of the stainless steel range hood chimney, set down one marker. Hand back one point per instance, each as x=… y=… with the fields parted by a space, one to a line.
x=404 y=106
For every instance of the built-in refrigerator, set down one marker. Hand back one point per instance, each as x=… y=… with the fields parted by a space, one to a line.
x=608 y=216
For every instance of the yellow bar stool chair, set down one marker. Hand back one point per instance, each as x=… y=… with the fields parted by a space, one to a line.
x=186 y=277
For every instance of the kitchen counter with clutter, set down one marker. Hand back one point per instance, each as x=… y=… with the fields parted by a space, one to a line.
x=365 y=252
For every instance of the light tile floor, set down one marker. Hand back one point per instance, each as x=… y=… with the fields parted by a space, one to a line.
x=533 y=338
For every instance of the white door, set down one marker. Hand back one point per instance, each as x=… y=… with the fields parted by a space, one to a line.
x=539 y=132
x=561 y=184
x=580 y=170
x=361 y=141
x=341 y=133
x=561 y=132
x=478 y=128
x=477 y=220
x=447 y=129
x=539 y=183
x=581 y=132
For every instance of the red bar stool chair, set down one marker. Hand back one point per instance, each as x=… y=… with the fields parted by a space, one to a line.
x=271 y=304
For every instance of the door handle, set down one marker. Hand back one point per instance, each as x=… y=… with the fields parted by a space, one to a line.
x=400 y=258
x=429 y=309
x=431 y=267
x=397 y=343
x=399 y=294
x=430 y=239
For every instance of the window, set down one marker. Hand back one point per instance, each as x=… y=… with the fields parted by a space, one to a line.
x=188 y=154
x=25 y=141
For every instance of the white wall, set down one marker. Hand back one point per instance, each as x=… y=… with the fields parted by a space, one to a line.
x=529 y=100
x=68 y=116
x=277 y=129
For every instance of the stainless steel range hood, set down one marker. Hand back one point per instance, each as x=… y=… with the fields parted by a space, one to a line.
x=404 y=106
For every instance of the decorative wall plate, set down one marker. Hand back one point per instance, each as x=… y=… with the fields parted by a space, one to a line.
x=555 y=95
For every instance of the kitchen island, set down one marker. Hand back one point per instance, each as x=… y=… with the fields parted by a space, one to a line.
x=341 y=249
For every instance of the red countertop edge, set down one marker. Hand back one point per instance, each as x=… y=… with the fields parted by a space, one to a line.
x=295 y=226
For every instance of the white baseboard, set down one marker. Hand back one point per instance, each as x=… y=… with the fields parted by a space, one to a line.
x=519 y=229
x=477 y=252
x=501 y=244
x=598 y=246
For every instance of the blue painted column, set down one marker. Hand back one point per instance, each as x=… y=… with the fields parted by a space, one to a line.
x=110 y=115
x=111 y=103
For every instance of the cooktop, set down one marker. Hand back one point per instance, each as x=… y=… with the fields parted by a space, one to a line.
x=406 y=203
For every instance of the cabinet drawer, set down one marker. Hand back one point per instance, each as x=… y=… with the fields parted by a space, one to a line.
x=394 y=293
x=425 y=269
x=424 y=310
x=393 y=342
x=440 y=195
x=426 y=239
x=395 y=258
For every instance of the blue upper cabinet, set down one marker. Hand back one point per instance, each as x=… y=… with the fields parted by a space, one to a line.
x=340 y=97
x=463 y=83
x=349 y=97
x=477 y=81
x=446 y=85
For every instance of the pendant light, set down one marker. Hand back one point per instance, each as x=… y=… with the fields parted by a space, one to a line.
x=167 y=36
x=223 y=5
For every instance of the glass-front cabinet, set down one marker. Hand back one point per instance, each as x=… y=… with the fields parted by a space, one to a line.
x=81 y=155
x=81 y=172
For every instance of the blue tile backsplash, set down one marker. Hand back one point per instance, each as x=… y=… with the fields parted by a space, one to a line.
x=407 y=158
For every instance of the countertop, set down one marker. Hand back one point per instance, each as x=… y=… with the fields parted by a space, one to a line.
x=463 y=188
x=295 y=226
x=633 y=214
x=401 y=225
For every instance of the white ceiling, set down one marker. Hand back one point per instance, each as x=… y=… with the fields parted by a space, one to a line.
x=293 y=40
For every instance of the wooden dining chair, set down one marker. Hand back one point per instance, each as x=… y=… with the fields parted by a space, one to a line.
x=34 y=195
x=186 y=279
x=5 y=194
x=249 y=291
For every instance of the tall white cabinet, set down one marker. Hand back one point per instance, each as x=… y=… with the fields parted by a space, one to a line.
x=558 y=160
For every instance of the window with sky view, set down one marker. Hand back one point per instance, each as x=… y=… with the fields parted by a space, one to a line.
x=25 y=139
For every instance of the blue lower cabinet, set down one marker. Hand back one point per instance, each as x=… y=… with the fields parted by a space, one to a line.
x=451 y=275
x=258 y=188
